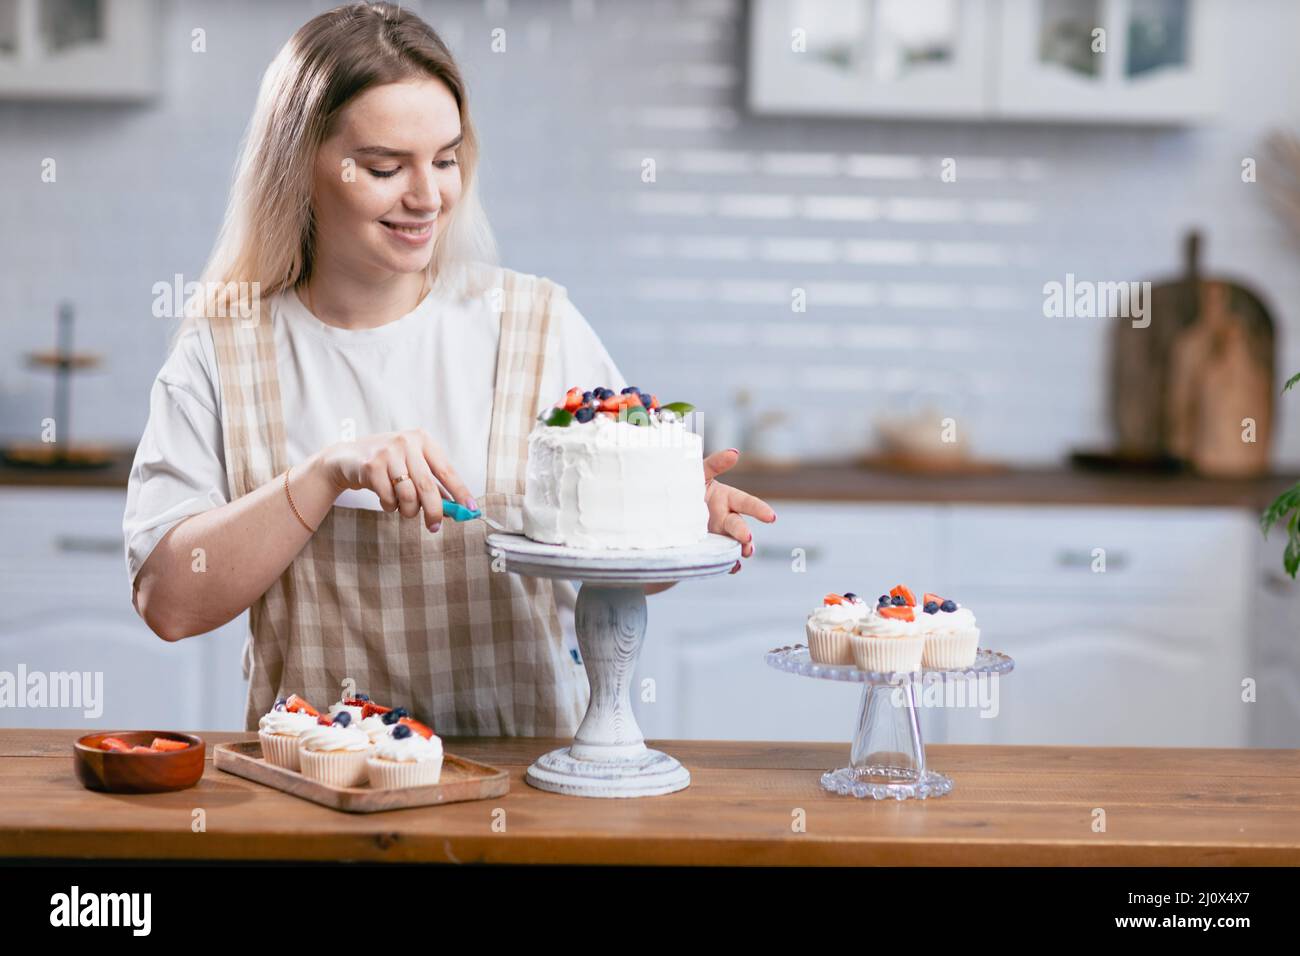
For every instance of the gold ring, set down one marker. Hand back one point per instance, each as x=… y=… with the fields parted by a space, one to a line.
x=399 y=480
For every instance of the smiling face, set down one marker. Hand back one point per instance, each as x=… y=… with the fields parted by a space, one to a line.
x=382 y=216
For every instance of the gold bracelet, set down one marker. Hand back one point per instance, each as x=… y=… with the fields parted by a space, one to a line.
x=296 y=513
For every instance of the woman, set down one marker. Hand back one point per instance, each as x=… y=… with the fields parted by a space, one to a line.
x=377 y=357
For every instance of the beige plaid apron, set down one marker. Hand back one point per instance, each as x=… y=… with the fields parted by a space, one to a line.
x=414 y=619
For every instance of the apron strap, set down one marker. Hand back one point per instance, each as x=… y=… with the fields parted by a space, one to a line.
x=527 y=304
x=252 y=418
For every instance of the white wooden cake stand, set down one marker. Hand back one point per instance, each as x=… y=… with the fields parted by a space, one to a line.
x=608 y=756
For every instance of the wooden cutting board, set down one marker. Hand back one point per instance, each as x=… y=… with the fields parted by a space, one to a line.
x=461 y=780
x=1183 y=386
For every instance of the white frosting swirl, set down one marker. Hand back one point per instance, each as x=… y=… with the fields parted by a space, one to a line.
x=949 y=622
x=374 y=727
x=840 y=617
x=287 y=723
x=352 y=709
x=412 y=749
x=334 y=737
x=875 y=624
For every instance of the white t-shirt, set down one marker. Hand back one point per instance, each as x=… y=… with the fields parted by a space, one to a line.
x=434 y=368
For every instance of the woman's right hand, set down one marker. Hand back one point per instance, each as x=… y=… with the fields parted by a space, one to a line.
x=374 y=462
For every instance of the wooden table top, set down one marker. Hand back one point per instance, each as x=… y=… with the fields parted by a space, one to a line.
x=1009 y=806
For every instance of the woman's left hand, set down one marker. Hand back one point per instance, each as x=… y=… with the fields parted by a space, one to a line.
x=728 y=504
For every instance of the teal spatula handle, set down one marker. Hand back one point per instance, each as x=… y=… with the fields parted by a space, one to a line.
x=457 y=511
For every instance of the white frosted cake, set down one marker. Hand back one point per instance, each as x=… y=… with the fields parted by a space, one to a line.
x=610 y=471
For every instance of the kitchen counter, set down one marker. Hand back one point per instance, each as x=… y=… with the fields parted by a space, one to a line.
x=837 y=481
x=1010 y=806
x=1013 y=486
x=112 y=475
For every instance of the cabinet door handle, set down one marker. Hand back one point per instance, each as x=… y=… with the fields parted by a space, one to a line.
x=87 y=544
x=1080 y=558
x=785 y=552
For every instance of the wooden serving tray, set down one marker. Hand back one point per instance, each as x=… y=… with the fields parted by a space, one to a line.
x=461 y=780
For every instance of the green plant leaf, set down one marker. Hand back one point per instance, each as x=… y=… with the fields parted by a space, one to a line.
x=1287 y=502
x=681 y=408
x=634 y=414
x=1291 y=556
x=559 y=418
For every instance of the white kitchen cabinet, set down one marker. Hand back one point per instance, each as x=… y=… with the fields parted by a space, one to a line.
x=1275 y=664
x=109 y=50
x=705 y=640
x=870 y=57
x=1080 y=61
x=1150 y=651
x=1129 y=626
x=1098 y=674
x=1160 y=61
x=1100 y=554
x=66 y=609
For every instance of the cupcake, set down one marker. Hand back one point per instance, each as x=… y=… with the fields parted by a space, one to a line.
x=279 y=730
x=404 y=757
x=374 y=727
x=830 y=625
x=335 y=753
x=353 y=706
x=951 y=637
x=889 y=639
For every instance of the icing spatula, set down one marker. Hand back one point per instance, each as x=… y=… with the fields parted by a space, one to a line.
x=458 y=512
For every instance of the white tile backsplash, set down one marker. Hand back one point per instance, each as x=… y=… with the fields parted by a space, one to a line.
x=917 y=290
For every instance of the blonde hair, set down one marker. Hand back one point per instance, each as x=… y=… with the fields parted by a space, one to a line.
x=268 y=233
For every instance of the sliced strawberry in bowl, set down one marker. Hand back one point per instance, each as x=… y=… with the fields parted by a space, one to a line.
x=131 y=761
x=370 y=708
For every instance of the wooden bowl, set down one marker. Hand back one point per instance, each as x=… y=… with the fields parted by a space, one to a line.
x=117 y=772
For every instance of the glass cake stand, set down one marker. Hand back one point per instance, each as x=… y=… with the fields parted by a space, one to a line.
x=608 y=756
x=887 y=758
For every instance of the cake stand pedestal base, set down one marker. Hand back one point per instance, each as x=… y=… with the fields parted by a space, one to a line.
x=887 y=756
x=652 y=774
x=608 y=756
x=882 y=782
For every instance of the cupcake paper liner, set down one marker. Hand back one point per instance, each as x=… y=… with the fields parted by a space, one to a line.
x=948 y=651
x=338 y=768
x=888 y=654
x=280 y=749
x=387 y=774
x=828 y=646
